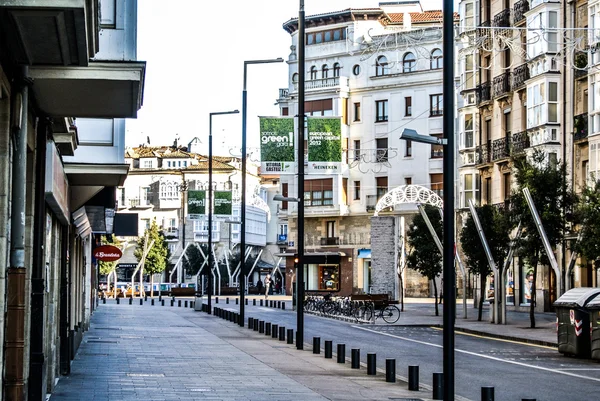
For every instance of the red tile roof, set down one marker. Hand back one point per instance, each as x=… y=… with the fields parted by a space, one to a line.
x=425 y=16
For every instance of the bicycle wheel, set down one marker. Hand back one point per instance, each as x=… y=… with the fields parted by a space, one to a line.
x=363 y=312
x=391 y=314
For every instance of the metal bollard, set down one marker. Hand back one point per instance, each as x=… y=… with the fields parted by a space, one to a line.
x=254 y=302
x=371 y=364
x=341 y=353
x=290 y=336
x=261 y=326
x=256 y=323
x=267 y=328
x=438 y=386
x=487 y=393
x=131 y=301
x=261 y=302
x=193 y=304
x=270 y=304
x=152 y=302
x=237 y=301
x=316 y=345
x=179 y=303
x=355 y=358
x=172 y=302
x=227 y=300
x=283 y=305
x=216 y=300
x=162 y=302
x=118 y=301
x=246 y=301
x=141 y=301
x=282 y=333
x=145 y=298
x=185 y=304
x=159 y=297
x=104 y=300
x=413 y=378
x=328 y=348
x=390 y=370
x=251 y=323
x=274 y=329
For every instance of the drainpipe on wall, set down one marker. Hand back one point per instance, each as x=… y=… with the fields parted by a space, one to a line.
x=37 y=370
x=14 y=341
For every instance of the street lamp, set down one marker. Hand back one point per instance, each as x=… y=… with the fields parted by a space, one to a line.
x=210 y=209
x=242 y=282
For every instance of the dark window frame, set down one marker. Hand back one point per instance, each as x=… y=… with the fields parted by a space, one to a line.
x=436 y=105
x=382 y=66
x=381 y=111
x=437 y=59
x=409 y=62
x=408 y=106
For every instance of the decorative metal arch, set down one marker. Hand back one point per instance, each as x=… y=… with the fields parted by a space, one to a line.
x=408 y=194
x=258 y=202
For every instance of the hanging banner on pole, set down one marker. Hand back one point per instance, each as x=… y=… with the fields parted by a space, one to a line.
x=277 y=153
x=196 y=204
x=324 y=145
x=222 y=204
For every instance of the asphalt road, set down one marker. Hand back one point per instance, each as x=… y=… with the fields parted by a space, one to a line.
x=516 y=370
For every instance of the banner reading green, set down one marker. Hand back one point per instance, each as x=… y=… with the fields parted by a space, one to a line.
x=196 y=204
x=324 y=145
x=277 y=145
x=223 y=204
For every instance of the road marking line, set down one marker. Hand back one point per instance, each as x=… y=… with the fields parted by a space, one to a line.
x=483 y=356
x=498 y=339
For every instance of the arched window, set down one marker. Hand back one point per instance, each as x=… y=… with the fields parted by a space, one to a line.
x=295 y=78
x=436 y=59
x=324 y=71
x=313 y=72
x=381 y=66
x=336 y=69
x=409 y=62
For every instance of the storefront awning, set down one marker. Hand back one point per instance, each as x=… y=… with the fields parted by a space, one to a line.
x=364 y=254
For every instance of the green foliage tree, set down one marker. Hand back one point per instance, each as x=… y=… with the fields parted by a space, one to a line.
x=158 y=255
x=234 y=260
x=496 y=227
x=587 y=215
x=554 y=201
x=194 y=259
x=424 y=255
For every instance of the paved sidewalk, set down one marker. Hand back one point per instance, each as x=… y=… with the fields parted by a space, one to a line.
x=148 y=352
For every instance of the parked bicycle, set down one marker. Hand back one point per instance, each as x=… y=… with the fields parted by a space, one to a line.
x=380 y=309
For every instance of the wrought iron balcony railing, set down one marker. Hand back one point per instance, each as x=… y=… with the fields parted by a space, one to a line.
x=483 y=93
x=519 y=10
x=519 y=76
x=502 y=84
x=483 y=154
x=501 y=148
x=330 y=241
x=519 y=142
x=502 y=19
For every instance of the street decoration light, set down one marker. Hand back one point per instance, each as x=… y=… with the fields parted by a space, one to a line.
x=242 y=281
x=210 y=204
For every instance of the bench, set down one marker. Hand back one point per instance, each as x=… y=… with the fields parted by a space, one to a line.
x=229 y=290
x=183 y=292
x=379 y=300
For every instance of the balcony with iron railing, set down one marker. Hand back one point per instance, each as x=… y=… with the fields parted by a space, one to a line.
x=520 y=75
x=483 y=154
x=330 y=241
x=483 y=93
x=580 y=127
x=501 y=148
x=284 y=93
x=519 y=142
x=171 y=232
x=139 y=203
x=519 y=10
x=502 y=19
x=502 y=84
x=580 y=65
x=324 y=83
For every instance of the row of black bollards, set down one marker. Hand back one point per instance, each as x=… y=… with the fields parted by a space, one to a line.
x=186 y=303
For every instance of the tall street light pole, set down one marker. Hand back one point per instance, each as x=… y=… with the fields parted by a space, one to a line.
x=243 y=272
x=449 y=274
x=300 y=158
x=210 y=204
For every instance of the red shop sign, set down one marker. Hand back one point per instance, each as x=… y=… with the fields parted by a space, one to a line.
x=107 y=253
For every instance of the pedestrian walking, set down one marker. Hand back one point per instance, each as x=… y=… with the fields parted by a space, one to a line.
x=268 y=283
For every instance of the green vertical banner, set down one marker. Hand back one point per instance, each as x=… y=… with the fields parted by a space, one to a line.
x=277 y=153
x=222 y=204
x=324 y=145
x=196 y=204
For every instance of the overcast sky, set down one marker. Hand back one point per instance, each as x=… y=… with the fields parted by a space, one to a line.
x=195 y=52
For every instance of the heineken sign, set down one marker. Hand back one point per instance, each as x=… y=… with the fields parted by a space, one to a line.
x=277 y=145
x=324 y=145
x=196 y=204
x=222 y=203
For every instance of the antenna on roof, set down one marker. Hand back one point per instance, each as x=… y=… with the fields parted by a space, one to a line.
x=148 y=140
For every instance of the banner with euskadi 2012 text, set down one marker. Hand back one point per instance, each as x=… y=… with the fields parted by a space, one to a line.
x=277 y=151
x=324 y=145
x=196 y=204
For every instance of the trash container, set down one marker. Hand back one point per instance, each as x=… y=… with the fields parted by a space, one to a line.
x=593 y=306
x=574 y=321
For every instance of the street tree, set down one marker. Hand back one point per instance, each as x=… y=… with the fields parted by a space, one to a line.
x=194 y=259
x=587 y=215
x=157 y=256
x=547 y=183
x=496 y=226
x=233 y=260
x=424 y=255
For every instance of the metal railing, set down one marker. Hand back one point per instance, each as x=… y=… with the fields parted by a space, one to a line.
x=502 y=19
x=330 y=241
x=501 y=148
x=519 y=142
x=520 y=75
x=580 y=126
x=483 y=93
x=519 y=10
x=502 y=84
x=483 y=154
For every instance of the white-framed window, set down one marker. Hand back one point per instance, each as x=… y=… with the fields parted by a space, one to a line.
x=409 y=62
x=546 y=22
x=469 y=72
x=468 y=16
x=593 y=173
x=469 y=188
x=437 y=59
x=536 y=95
x=468 y=134
x=147 y=164
x=381 y=66
x=552 y=102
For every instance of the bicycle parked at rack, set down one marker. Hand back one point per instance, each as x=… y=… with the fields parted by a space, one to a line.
x=378 y=309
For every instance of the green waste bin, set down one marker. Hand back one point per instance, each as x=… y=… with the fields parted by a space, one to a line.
x=574 y=321
x=593 y=307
